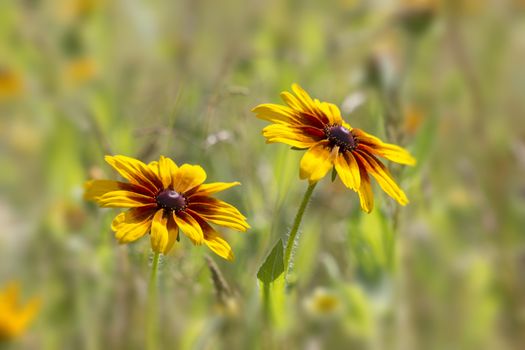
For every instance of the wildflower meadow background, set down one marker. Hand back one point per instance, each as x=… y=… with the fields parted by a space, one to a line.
x=81 y=79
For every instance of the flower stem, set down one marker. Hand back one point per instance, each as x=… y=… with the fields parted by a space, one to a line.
x=152 y=305
x=295 y=227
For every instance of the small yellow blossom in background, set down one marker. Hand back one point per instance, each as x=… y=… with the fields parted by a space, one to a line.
x=14 y=317
x=75 y=9
x=163 y=198
x=413 y=118
x=11 y=83
x=323 y=303
x=80 y=70
x=329 y=141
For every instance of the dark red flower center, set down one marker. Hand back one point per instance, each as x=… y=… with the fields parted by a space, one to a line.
x=171 y=200
x=340 y=136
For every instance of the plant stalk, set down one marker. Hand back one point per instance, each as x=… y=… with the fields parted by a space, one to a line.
x=152 y=305
x=295 y=227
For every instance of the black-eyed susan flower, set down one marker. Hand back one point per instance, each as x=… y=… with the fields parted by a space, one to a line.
x=163 y=198
x=15 y=317
x=318 y=127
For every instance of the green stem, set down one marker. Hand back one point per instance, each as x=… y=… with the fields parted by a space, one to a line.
x=295 y=227
x=152 y=305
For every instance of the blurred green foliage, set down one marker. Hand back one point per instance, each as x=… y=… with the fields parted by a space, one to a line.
x=83 y=78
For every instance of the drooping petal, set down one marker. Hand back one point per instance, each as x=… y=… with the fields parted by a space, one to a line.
x=293 y=136
x=219 y=216
x=187 y=177
x=124 y=199
x=316 y=162
x=164 y=232
x=167 y=168
x=132 y=224
x=135 y=171
x=189 y=226
x=211 y=188
x=382 y=176
x=215 y=242
x=348 y=170
x=97 y=188
x=159 y=236
x=366 y=196
x=219 y=212
x=389 y=151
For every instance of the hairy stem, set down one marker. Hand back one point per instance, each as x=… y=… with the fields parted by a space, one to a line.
x=295 y=227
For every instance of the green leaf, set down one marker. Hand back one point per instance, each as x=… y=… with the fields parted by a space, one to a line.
x=273 y=284
x=334 y=174
x=273 y=266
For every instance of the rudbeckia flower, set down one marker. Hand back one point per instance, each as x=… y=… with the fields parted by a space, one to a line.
x=305 y=123
x=14 y=317
x=163 y=198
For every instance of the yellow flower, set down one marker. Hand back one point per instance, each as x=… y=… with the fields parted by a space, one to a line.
x=14 y=318
x=79 y=71
x=164 y=198
x=11 y=83
x=323 y=303
x=318 y=128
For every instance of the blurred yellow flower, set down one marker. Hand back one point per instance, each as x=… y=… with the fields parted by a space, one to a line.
x=322 y=303
x=11 y=83
x=15 y=318
x=162 y=198
x=318 y=128
x=79 y=71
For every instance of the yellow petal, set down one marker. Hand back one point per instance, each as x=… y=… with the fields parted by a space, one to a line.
x=135 y=171
x=164 y=232
x=348 y=170
x=214 y=187
x=187 y=177
x=366 y=196
x=97 y=188
x=220 y=217
x=316 y=162
x=167 y=168
x=198 y=202
x=214 y=241
x=383 y=177
x=303 y=98
x=291 y=101
x=389 y=151
x=132 y=224
x=124 y=199
x=331 y=111
x=159 y=231
x=288 y=135
x=275 y=113
x=189 y=226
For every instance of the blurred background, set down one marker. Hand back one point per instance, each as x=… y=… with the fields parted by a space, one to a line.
x=80 y=79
